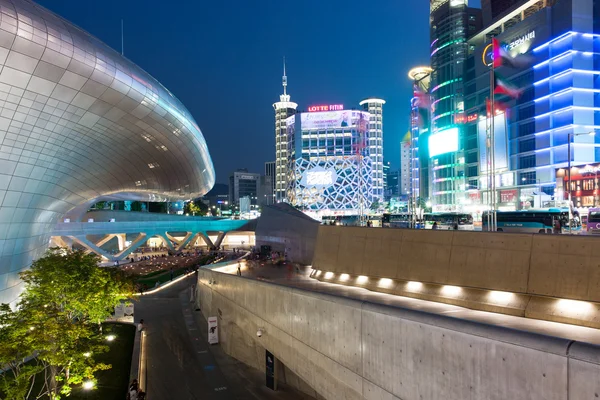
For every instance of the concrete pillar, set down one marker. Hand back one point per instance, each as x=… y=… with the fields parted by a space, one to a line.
x=59 y=241
x=206 y=239
x=189 y=238
x=82 y=240
x=166 y=241
x=220 y=238
x=141 y=239
x=121 y=241
x=105 y=240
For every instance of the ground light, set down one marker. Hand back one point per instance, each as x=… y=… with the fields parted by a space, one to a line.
x=110 y=338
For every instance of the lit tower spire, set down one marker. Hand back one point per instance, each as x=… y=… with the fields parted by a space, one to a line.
x=284 y=97
x=284 y=108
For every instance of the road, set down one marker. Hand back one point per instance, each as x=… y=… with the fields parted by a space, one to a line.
x=182 y=366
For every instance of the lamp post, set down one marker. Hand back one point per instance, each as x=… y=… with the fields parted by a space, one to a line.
x=570 y=137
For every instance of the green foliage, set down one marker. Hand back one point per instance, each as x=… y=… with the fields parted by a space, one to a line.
x=195 y=207
x=57 y=319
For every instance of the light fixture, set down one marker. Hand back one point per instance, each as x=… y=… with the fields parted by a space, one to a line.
x=448 y=290
x=386 y=283
x=328 y=275
x=87 y=354
x=110 y=338
x=88 y=385
x=500 y=297
x=362 y=279
x=414 y=286
x=344 y=277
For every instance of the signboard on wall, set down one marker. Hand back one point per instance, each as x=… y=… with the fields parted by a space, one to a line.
x=270 y=370
x=500 y=145
x=213 y=330
x=443 y=142
x=333 y=119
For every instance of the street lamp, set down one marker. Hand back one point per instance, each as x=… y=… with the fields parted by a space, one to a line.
x=570 y=136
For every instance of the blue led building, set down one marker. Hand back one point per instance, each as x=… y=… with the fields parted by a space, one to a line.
x=560 y=102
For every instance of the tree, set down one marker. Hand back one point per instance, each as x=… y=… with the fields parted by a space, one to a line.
x=58 y=319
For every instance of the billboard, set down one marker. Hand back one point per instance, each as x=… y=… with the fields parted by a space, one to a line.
x=442 y=142
x=334 y=119
x=500 y=145
x=318 y=177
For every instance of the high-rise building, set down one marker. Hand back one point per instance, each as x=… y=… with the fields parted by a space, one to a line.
x=283 y=109
x=493 y=9
x=405 y=167
x=417 y=169
x=451 y=23
x=270 y=172
x=391 y=182
x=333 y=170
x=243 y=184
x=374 y=107
x=557 y=109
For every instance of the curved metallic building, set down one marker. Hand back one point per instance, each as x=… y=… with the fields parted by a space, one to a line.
x=79 y=122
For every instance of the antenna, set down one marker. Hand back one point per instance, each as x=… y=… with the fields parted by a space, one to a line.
x=284 y=80
x=122 y=46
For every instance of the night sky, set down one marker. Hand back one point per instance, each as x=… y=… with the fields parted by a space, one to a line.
x=223 y=60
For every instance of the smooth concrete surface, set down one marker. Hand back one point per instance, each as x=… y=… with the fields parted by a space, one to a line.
x=533 y=271
x=288 y=231
x=345 y=348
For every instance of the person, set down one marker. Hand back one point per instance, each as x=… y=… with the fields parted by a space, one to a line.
x=434 y=226
x=455 y=226
x=557 y=229
x=239 y=270
x=140 y=325
x=132 y=393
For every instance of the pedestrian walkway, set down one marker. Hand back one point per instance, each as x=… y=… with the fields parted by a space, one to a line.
x=182 y=365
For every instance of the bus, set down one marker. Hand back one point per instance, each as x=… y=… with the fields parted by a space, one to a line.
x=593 y=221
x=351 y=220
x=449 y=220
x=401 y=220
x=548 y=220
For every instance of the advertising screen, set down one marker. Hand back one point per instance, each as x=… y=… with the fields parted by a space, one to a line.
x=319 y=177
x=333 y=119
x=500 y=145
x=442 y=142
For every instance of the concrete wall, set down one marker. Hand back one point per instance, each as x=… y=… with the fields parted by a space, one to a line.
x=537 y=269
x=286 y=229
x=346 y=349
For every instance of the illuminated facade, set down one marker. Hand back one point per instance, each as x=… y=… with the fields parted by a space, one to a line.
x=559 y=103
x=451 y=24
x=80 y=123
x=332 y=169
x=283 y=109
x=375 y=143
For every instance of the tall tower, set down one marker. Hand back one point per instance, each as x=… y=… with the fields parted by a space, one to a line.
x=449 y=30
x=375 y=143
x=283 y=109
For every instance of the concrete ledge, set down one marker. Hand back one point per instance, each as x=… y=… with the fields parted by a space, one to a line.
x=517 y=304
x=529 y=275
x=350 y=349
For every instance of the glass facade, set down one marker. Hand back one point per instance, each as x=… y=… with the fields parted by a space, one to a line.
x=559 y=104
x=80 y=123
x=451 y=23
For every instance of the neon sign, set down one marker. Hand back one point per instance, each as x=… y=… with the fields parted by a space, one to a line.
x=487 y=57
x=325 y=107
